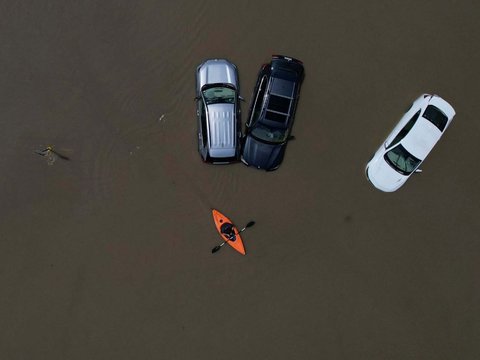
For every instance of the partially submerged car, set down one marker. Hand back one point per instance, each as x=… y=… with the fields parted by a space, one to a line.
x=218 y=111
x=409 y=143
x=272 y=112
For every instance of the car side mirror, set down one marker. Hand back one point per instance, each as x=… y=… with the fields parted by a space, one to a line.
x=418 y=170
x=196 y=98
x=291 y=137
x=241 y=98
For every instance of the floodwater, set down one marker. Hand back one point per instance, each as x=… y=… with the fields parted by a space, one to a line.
x=108 y=255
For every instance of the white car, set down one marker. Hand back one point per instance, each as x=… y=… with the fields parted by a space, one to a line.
x=409 y=143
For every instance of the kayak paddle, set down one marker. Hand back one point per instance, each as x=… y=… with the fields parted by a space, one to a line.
x=218 y=247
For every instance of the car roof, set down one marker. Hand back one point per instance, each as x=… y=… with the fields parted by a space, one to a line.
x=424 y=134
x=282 y=87
x=222 y=130
x=277 y=110
x=422 y=138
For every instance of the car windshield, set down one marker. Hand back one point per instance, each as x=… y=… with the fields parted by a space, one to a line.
x=270 y=135
x=219 y=94
x=401 y=160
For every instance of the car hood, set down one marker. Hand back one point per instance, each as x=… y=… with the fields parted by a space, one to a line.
x=217 y=71
x=262 y=155
x=382 y=176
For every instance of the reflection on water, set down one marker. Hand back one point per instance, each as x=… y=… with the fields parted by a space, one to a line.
x=51 y=157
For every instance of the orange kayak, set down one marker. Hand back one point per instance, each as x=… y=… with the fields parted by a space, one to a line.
x=223 y=225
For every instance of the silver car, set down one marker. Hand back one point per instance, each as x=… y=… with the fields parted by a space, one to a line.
x=218 y=111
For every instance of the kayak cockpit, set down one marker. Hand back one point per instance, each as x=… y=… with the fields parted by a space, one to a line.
x=228 y=230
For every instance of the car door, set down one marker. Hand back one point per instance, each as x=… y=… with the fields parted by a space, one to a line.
x=202 y=128
x=258 y=101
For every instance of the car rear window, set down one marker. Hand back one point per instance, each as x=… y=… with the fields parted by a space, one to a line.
x=436 y=117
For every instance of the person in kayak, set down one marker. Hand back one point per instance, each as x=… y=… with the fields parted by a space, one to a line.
x=228 y=230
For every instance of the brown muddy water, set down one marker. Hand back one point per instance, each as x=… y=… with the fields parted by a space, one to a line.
x=107 y=256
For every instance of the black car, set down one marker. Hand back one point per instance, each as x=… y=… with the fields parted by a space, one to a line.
x=272 y=112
